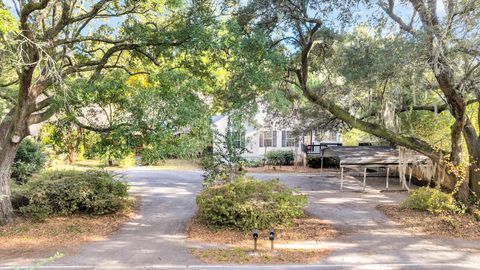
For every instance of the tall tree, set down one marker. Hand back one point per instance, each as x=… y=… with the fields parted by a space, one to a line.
x=50 y=42
x=448 y=44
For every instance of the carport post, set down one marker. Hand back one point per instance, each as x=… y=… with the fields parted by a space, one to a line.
x=364 y=178
x=410 y=176
x=388 y=174
x=341 y=180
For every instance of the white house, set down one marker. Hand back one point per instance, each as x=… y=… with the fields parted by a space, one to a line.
x=261 y=137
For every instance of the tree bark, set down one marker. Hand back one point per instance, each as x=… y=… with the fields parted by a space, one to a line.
x=8 y=149
x=473 y=146
x=7 y=155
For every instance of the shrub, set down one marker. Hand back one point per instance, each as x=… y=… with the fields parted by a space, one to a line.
x=128 y=161
x=253 y=163
x=71 y=192
x=246 y=203
x=431 y=200
x=280 y=157
x=30 y=158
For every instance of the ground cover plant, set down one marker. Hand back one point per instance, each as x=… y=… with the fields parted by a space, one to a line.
x=247 y=203
x=279 y=157
x=432 y=200
x=62 y=193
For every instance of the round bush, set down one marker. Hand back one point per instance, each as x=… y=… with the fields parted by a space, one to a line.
x=71 y=192
x=280 y=157
x=30 y=159
x=247 y=203
x=431 y=200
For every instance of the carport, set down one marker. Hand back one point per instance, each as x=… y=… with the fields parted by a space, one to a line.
x=378 y=159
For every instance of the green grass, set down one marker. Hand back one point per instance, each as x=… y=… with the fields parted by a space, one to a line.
x=169 y=164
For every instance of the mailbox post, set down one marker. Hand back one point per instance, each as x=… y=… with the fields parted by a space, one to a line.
x=272 y=237
x=255 y=238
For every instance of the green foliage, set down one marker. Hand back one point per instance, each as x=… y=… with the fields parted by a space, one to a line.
x=246 y=203
x=65 y=138
x=225 y=162
x=280 y=157
x=431 y=200
x=30 y=158
x=71 y=192
x=7 y=22
x=128 y=161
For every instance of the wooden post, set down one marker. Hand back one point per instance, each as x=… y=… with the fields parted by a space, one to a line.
x=364 y=178
x=341 y=180
x=388 y=174
x=410 y=176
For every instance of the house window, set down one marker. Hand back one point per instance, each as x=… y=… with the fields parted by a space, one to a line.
x=268 y=139
x=288 y=140
x=239 y=139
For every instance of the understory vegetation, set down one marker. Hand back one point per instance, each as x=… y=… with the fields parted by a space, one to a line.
x=62 y=193
x=30 y=158
x=247 y=203
x=280 y=157
x=230 y=199
x=433 y=200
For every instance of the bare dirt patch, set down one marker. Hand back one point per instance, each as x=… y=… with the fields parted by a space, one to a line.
x=445 y=225
x=303 y=229
x=25 y=238
x=245 y=256
x=238 y=244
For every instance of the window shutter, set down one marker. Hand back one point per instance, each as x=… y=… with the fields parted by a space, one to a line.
x=274 y=138
x=284 y=138
x=260 y=140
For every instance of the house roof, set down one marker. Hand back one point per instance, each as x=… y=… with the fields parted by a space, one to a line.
x=217 y=118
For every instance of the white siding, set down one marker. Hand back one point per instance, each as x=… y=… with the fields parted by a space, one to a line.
x=252 y=140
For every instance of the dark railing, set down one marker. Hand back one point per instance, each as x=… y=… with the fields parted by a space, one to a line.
x=318 y=148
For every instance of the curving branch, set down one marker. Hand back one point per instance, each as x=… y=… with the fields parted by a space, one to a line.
x=389 y=9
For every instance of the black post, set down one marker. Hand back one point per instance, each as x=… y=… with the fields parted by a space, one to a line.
x=272 y=238
x=255 y=237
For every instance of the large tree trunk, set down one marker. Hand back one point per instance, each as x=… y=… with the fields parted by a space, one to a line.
x=473 y=146
x=7 y=155
x=8 y=149
x=13 y=129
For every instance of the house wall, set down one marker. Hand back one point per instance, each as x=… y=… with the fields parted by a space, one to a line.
x=252 y=141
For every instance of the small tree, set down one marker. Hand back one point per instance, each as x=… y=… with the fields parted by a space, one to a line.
x=30 y=159
x=225 y=162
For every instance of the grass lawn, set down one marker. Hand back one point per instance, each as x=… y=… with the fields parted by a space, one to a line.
x=169 y=164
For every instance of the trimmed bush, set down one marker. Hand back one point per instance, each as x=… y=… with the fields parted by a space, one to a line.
x=71 y=192
x=431 y=200
x=279 y=157
x=30 y=159
x=246 y=203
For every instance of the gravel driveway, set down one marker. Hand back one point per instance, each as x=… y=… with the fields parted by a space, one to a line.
x=155 y=239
